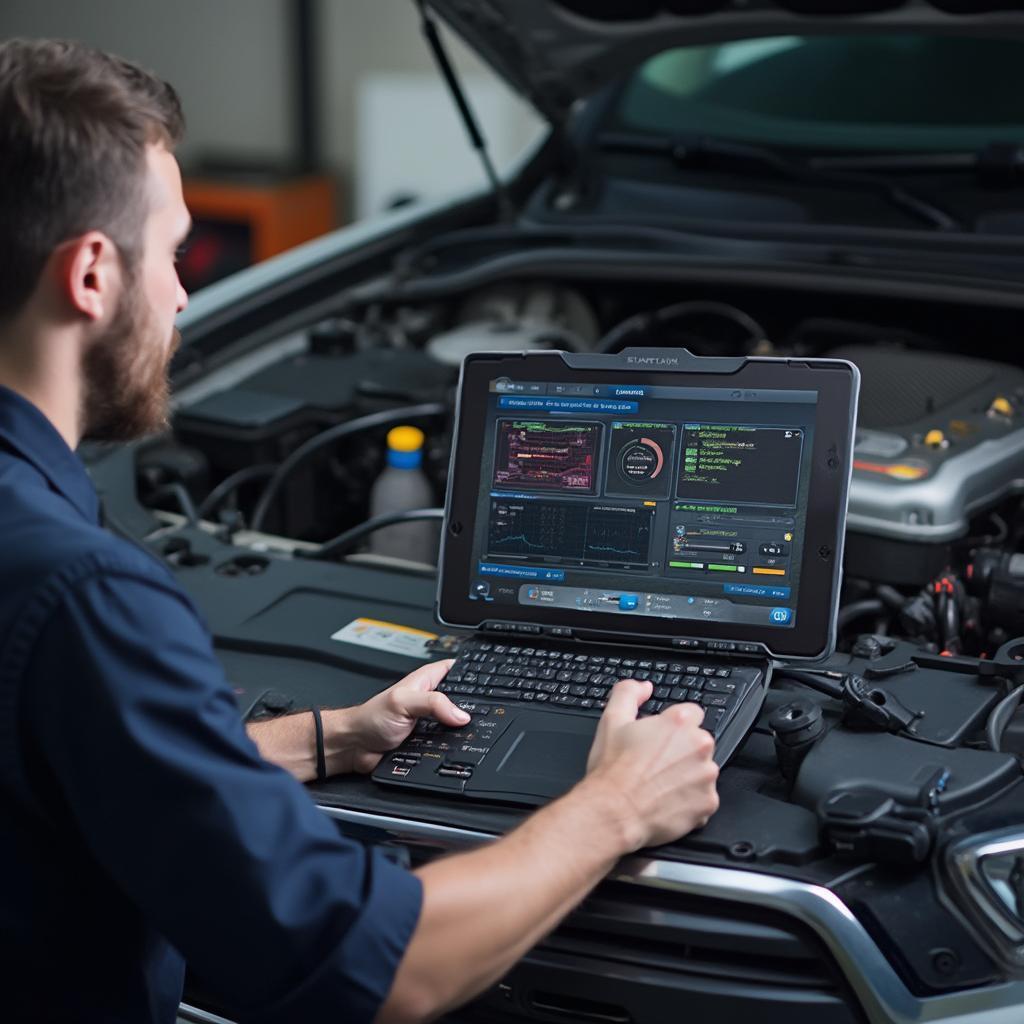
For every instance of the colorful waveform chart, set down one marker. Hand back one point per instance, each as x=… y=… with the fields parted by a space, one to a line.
x=640 y=462
x=566 y=532
x=548 y=456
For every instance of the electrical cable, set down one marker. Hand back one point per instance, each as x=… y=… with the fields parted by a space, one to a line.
x=182 y=497
x=230 y=484
x=829 y=687
x=329 y=436
x=891 y=596
x=344 y=542
x=642 y=322
x=858 y=609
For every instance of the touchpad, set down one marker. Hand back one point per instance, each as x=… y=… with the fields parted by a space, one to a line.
x=547 y=753
x=538 y=755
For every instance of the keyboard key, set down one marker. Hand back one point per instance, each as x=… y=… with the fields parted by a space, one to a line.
x=719 y=686
x=679 y=693
x=657 y=677
x=712 y=719
x=694 y=682
x=716 y=700
x=661 y=666
x=661 y=692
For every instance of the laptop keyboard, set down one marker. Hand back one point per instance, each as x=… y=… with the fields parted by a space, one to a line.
x=486 y=671
x=492 y=681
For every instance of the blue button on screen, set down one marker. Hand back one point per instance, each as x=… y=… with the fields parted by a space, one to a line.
x=780 y=616
x=627 y=602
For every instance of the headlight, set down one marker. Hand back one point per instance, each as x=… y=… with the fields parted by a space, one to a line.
x=987 y=875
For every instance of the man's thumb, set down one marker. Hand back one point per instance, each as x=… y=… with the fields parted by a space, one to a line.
x=627 y=696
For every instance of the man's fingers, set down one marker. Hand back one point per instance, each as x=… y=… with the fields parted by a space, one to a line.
x=426 y=677
x=431 y=704
x=683 y=714
x=624 y=703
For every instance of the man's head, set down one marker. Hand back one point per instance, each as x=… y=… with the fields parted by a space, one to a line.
x=91 y=213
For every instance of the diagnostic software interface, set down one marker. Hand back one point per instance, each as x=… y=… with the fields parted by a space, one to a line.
x=672 y=502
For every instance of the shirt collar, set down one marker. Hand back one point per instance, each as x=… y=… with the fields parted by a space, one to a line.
x=32 y=436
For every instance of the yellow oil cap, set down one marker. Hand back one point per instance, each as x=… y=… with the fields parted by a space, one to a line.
x=1001 y=406
x=935 y=439
x=405 y=439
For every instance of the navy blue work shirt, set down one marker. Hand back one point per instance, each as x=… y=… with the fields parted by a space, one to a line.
x=138 y=825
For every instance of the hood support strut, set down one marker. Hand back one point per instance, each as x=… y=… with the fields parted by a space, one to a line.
x=506 y=211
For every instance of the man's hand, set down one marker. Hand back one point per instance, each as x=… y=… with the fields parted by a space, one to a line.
x=649 y=781
x=660 y=767
x=379 y=725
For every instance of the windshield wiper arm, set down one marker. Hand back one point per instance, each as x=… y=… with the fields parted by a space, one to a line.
x=704 y=150
x=1000 y=163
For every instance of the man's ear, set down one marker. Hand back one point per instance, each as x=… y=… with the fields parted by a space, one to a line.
x=88 y=275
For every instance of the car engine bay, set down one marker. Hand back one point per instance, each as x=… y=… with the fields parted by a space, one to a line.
x=861 y=774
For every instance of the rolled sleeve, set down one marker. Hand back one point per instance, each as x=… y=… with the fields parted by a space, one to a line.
x=361 y=969
x=223 y=853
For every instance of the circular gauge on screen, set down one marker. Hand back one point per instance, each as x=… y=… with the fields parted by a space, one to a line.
x=641 y=461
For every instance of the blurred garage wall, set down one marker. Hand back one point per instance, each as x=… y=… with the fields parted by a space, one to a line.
x=379 y=96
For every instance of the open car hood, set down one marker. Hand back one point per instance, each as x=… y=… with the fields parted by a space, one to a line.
x=555 y=52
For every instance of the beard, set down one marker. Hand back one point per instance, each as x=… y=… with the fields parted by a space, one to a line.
x=126 y=389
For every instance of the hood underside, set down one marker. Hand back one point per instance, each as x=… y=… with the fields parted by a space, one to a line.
x=555 y=52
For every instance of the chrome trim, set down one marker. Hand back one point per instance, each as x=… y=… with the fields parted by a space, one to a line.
x=883 y=996
x=193 y=1015
x=1000 y=928
x=405 y=830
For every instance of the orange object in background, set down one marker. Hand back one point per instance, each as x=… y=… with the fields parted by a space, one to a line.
x=242 y=221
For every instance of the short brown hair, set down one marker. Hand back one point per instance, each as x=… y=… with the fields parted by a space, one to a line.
x=74 y=126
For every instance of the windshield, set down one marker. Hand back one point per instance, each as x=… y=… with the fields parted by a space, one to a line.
x=872 y=92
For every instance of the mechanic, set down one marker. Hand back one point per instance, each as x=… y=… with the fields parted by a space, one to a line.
x=140 y=826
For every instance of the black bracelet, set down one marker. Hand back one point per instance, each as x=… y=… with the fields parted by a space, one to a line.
x=321 y=756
